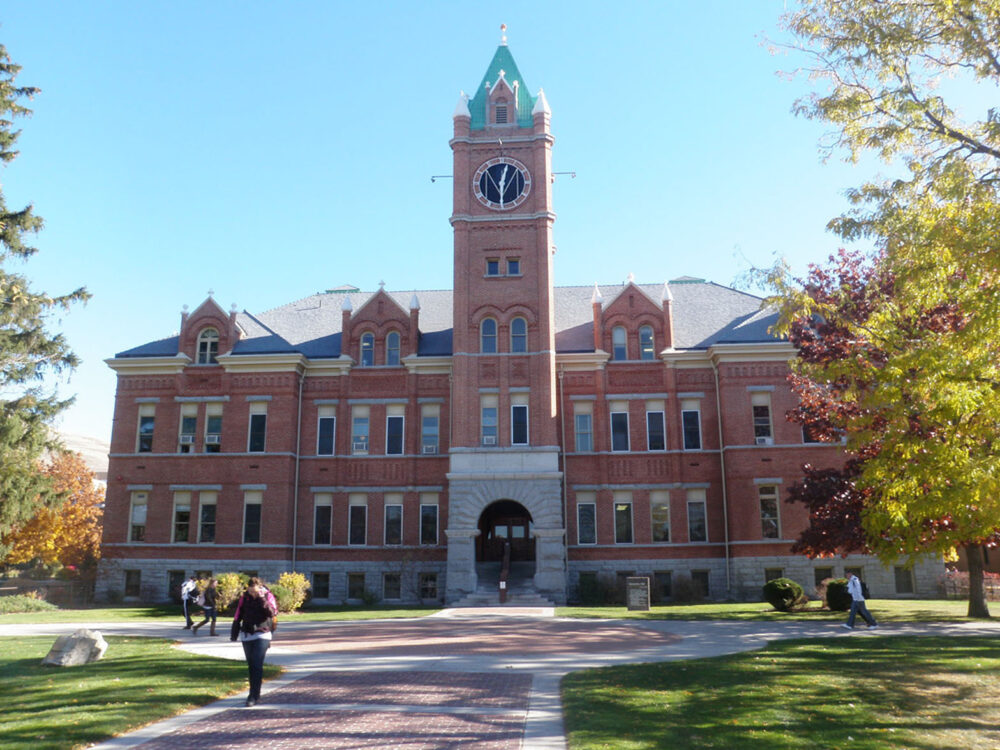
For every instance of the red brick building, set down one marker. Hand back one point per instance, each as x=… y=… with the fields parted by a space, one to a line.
x=389 y=444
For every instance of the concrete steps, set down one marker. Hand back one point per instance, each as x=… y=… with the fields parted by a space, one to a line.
x=521 y=591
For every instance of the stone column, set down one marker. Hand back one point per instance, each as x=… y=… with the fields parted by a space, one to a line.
x=550 y=563
x=461 y=572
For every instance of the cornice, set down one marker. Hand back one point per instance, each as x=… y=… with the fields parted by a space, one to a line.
x=777 y=351
x=500 y=218
x=428 y=365
x=149 y=365
x=491 y=140
x=582 y=361
x=263 y=362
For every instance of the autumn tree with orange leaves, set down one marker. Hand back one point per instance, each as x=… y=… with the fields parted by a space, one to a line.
x=69 y=533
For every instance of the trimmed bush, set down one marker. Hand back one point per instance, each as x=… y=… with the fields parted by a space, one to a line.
x=228 y=589
x=283 y=595
x=783 y=594
x=298 y=588
x=24 y=603
x=837 y=598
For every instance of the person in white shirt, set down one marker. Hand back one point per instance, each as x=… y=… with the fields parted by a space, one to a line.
x=857 y=603
x=189 y=590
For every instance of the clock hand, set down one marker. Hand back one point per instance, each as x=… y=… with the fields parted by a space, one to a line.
x=503 y=182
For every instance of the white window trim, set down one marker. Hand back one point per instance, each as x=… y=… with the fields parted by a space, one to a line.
x=579 y=506
x=385 y=524
x=628 y=430
x=663 y=424
x=402 y=444
x=527 y=424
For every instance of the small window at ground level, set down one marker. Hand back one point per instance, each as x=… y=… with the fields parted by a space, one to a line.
x=662 y=586
x=700 y=579
x=428 y=585
x=355 y=585
x=392 y=586
x=821 y=574
x=771 y=574
x=321 y=586
x=133 y=583
x=904 y=579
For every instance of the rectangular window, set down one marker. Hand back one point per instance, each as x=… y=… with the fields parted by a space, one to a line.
x=810 y=435
x=394 y=520
x=492 y=266
x=252 y=501
x=619 y=427
x=700 y=579
x=356 y=586
x=321 y=585
x=769 y=526
x=213 y=428
x=323 y=519
x=623 y=518
x=656 y=431
x=392 y=586
x=359 y=430
x=394 y=434
x=147 y=421
x=663 y=585
x=488 y=416
x=904 y=579
x=188 y=428
x=513 y=266
x=821 y=574
x=357 y=520
x=859 y=572
x=519 y=420
x=137 y=515
x=325 y=430
x=583 y=428
x=697 y=522
x=659 y=509
x=258 y=427
x=586 y=518
x=428 y=522
x=772 y=574
x=206 y=516
x=428 y=583
x=430 y=428
x=133 y=583
x=761 y=404
x=182 y=517
x=691 y=424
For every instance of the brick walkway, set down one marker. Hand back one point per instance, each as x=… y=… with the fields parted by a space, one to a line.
x=355 y=709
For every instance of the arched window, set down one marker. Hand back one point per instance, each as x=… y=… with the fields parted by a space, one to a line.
x=646 y=349
x=619 y=350
x=368 y=350
x=208 y=346
x=488 y=336
x=392 y=348
x=519 y=335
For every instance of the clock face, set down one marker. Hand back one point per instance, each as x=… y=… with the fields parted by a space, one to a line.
x=501 y=183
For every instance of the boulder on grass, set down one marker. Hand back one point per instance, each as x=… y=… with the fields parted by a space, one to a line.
x=81 y=647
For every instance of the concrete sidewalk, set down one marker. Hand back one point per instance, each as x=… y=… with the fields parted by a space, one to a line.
x=464 y=678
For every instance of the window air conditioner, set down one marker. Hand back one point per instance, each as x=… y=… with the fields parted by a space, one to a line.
x=187 y=439
x=430 y=449
x=360 y=446
x=212 y=439
x=489 y=439
x=764 y=441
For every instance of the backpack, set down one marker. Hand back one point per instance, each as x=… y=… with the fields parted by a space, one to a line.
x=864 y=591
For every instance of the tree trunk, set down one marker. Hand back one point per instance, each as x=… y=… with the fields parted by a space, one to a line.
x=977 y=591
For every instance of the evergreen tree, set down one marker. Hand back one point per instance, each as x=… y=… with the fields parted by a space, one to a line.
x=28 y=350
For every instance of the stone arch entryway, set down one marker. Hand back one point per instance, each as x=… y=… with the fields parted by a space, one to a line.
x=505 y=522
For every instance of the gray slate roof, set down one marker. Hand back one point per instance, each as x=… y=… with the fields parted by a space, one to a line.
x=705 y=314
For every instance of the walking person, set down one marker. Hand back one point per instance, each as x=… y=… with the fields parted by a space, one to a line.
x=857 y=603
x=189 y=590
x=208 y=606
x=253 y=625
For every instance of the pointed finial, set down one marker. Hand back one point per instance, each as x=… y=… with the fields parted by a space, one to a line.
x=596 y=298
x=211 y=292
x=503 y=73
x=667 y=296
x=381 y=286
x=462 y=108
x=414 y=302
x=503 y=34
x=541 y=104
x=631 y=278
x=232 y=308
x=346 y=305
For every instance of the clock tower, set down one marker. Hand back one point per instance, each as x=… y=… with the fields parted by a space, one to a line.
x=504 y=483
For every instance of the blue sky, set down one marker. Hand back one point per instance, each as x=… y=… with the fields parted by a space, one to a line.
x=268 y=151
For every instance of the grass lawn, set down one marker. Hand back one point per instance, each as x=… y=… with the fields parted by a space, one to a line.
x=139 y=680
x=159 y=613
x=885 y=610
x=860 y=693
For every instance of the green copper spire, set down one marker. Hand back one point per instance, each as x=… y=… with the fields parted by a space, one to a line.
x=502 y=61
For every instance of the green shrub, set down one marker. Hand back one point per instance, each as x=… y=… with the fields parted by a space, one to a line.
x=298 y=586
x=24 y=603
x=283 y=595
x=837 y=598
x=783 y=594
x=596 y=590
x=228 y=589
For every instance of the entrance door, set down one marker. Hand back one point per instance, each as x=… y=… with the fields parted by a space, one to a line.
x=502 y=522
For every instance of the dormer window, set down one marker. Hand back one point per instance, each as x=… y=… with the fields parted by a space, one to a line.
x=500 y=112
x=368 y=350
x=208 y=346
x=392 y=349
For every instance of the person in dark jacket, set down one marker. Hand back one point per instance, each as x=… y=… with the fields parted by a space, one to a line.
x=208 y=607
x=252 y=626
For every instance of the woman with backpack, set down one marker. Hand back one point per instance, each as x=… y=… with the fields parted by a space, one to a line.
x=253 y=624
